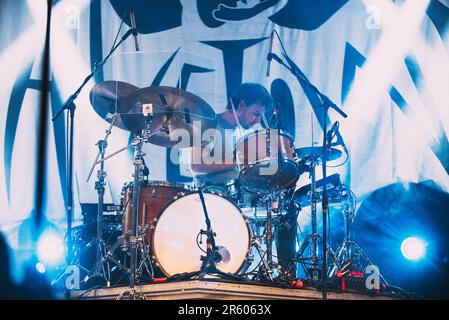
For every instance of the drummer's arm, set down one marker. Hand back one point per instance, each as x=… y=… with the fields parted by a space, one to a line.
x=202 y=163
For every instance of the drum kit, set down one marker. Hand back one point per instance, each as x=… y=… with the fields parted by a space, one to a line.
x=174 y=231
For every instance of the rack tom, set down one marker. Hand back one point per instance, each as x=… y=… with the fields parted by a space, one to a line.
x=267 y=160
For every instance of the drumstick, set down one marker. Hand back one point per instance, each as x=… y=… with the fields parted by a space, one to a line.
x=239 y=127
x=265 y=120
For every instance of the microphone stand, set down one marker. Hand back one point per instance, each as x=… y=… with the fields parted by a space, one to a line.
x=208 y=265
x=69 y=105
x=326 y=103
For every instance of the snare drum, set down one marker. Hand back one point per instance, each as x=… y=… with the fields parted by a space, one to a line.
x=175 y=237
x=154 y=197
x=266 y=160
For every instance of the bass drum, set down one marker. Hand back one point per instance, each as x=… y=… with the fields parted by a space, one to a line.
x=154 y=196
x=176 y=235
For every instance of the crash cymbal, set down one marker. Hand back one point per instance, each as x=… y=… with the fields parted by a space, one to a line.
x=170 y=111
x=316 y=152
x=106 y=98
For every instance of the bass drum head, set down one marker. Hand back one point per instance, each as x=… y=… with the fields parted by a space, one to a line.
x=176 y=235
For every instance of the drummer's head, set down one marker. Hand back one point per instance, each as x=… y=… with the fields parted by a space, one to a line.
x=250 y=101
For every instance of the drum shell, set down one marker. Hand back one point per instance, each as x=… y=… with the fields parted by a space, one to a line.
x=263 y=145
x=154 y=197
x=199 y=216
x=267 y=161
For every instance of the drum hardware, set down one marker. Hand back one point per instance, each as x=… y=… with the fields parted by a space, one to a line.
x=101 y=267
x=171 y=109
x=349 y=253
x=134 y=240
x=208 y=265
x=310 y=263
x=266 y=266
x=69 y=104
x=324 y=103
x=334 y=189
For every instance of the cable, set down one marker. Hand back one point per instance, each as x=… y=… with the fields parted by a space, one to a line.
x=89 y=290
x=198 y=242
x=122 y=18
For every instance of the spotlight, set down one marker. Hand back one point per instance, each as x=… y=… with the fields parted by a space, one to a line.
x=50 y=248
x=40 y=267
x=413 y=248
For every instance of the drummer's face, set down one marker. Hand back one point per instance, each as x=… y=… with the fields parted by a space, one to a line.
x=250 y=115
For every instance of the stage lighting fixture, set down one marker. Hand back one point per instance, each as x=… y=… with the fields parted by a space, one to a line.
x=40 y=267
x=413 y=248
x=50 y=248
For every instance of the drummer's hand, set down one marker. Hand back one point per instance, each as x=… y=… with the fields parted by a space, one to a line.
x=203 y=163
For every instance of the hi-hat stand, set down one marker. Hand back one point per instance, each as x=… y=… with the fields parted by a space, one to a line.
x=69 y=105
x=134 y=238
x=313 y=240
x=349 y=254
x=104 y=255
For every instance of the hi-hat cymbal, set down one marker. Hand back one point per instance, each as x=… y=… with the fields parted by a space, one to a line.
x=317 y=152
x=171 y=113
x=106 y=98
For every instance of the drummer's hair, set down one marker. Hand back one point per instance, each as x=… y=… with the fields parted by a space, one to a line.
x=250 y=93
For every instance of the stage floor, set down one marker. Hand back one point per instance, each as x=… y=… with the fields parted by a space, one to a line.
x=217 y=290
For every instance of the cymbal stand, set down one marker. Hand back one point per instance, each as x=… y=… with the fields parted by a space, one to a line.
x=132 y=293
x=272 y=202
x=101 y=267
x=349 y=253
x=310 y=264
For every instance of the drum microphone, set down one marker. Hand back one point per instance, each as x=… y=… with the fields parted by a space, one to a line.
x=134 y=28
x=145 y=170
x=333 y=130
x=274 y=120
x=269 y=55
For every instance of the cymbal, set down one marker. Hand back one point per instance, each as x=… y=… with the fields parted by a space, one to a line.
x=317 y=152
x=168 y=113
x=106 y=98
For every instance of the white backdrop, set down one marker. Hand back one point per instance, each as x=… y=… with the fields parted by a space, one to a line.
x=354 y=55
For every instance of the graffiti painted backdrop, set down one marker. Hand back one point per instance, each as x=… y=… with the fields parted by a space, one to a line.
x=385 y=63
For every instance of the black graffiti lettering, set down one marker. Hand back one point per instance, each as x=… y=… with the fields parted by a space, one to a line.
x=233 y=59
x=306 y=14
x=174 y=169
x=283 y=101
x=151 y=16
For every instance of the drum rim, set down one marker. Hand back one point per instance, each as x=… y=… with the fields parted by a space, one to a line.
x=158 y=183
x=260 y=131
x=156 y=219
x=248 y=166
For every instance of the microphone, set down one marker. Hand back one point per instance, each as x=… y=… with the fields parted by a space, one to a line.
x=269 y=55
x=222 y=254
x=274 y=116
x=133 y=28
x=145 y=171
x=332 y=132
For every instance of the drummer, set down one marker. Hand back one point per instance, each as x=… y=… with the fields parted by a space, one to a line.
x=244 y=111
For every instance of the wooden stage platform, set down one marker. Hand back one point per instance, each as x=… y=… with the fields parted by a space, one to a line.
x=216 y=290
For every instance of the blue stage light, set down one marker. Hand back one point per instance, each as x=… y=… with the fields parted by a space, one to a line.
x=413 y=248
x=40 y=267
x=50 y=248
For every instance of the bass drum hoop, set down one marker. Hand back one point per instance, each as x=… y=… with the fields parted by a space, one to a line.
x=246 y=263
